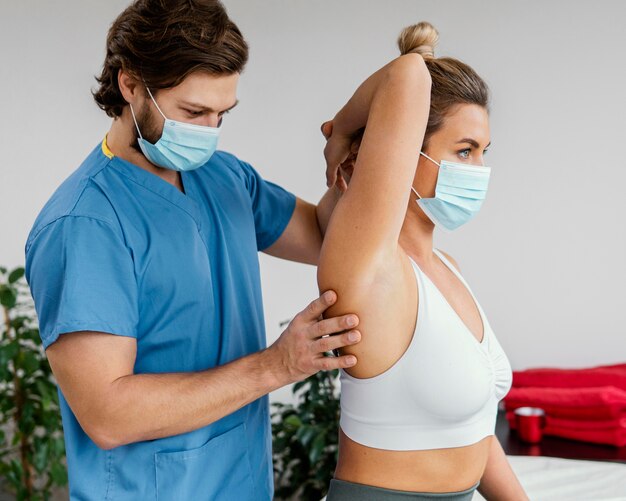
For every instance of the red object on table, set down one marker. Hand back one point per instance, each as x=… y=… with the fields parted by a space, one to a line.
x=530 y=422
x=587 y=404
x=610 y=431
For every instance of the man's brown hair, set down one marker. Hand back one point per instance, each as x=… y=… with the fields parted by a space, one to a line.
x=162 y=41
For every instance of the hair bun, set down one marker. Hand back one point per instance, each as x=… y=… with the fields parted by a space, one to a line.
x=420 y=38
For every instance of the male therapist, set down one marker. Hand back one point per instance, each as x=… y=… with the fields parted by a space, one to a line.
x=144 y=269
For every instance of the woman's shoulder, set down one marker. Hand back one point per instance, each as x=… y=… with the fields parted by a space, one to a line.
x=451 y=259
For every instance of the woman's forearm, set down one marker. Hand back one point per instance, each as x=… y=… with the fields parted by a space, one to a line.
x=499 y=482
x=369 y=215
x=353 y=116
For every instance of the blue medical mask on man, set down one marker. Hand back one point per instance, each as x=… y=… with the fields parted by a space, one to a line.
x=459 y=194
x=182 y=146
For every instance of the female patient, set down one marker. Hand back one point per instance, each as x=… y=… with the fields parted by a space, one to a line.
x=418 y=410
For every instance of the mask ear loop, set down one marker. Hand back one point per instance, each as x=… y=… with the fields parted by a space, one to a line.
x=135 y=120
x=437 y=164
x=422 y=153
x=155 y=103
x=132 y=112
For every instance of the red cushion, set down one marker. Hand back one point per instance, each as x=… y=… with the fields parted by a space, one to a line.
x=604 y=375
x=603 y=402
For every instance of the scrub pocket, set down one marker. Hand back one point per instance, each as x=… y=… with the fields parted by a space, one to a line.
x=218 y=470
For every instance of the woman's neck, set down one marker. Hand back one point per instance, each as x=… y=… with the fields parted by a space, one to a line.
x=416 y=236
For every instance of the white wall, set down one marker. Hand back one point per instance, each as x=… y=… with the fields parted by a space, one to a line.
x=546 y=257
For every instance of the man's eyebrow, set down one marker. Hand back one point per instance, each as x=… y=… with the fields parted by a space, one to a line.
x=205 y=108
x=472 y=142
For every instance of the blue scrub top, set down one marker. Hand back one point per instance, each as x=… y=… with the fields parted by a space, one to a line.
x=117 y=249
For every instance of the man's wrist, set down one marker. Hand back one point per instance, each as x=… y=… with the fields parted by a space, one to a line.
x=273 y=372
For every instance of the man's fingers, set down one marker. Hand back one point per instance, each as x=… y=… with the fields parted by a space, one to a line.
x=330 y=343
x=334 y=325
x=331 y=363
x=313 y=311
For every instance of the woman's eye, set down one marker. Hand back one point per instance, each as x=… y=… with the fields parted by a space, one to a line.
x=464 y=153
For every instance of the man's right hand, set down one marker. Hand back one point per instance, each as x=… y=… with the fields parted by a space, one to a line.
x=115 y=406
x=300 y=350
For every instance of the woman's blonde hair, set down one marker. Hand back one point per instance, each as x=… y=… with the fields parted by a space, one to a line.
x=453 y=82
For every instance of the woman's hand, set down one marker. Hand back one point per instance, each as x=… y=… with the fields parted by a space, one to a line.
x=340 y=153
x=350 y=121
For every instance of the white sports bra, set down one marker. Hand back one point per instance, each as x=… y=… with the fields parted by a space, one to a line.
x=442 y=392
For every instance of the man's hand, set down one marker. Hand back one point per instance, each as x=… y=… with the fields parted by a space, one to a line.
x=115 y=406
x=299 y=351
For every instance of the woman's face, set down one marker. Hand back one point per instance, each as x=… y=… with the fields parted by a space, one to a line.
x=463 y=138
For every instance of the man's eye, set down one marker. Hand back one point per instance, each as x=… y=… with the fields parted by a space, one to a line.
x=194 y=113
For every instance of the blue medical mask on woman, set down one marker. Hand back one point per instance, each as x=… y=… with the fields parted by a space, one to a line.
x=182 y=146
x=459 y=194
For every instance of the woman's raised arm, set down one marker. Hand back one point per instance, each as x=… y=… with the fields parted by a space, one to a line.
x=393 y=106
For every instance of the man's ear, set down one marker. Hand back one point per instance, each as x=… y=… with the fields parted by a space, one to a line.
x=130 y=86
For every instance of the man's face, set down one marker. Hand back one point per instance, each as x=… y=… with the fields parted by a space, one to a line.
x=200 y=99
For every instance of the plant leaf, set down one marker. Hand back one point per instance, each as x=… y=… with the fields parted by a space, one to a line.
x=15 y=275
x=293 y=421
x=58 y=474
x=8 y=296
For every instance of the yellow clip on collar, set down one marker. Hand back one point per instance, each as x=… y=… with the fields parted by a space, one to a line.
x=105 y=148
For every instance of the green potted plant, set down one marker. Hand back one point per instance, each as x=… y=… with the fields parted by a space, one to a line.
x=32 y=450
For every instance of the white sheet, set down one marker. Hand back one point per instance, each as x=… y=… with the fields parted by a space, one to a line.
x=557 y=479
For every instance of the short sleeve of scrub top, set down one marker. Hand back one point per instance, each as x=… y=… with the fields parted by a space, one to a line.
x=84 y=277
x=266 y=197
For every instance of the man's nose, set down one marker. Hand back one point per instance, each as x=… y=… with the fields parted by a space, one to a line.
x=211 y=120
